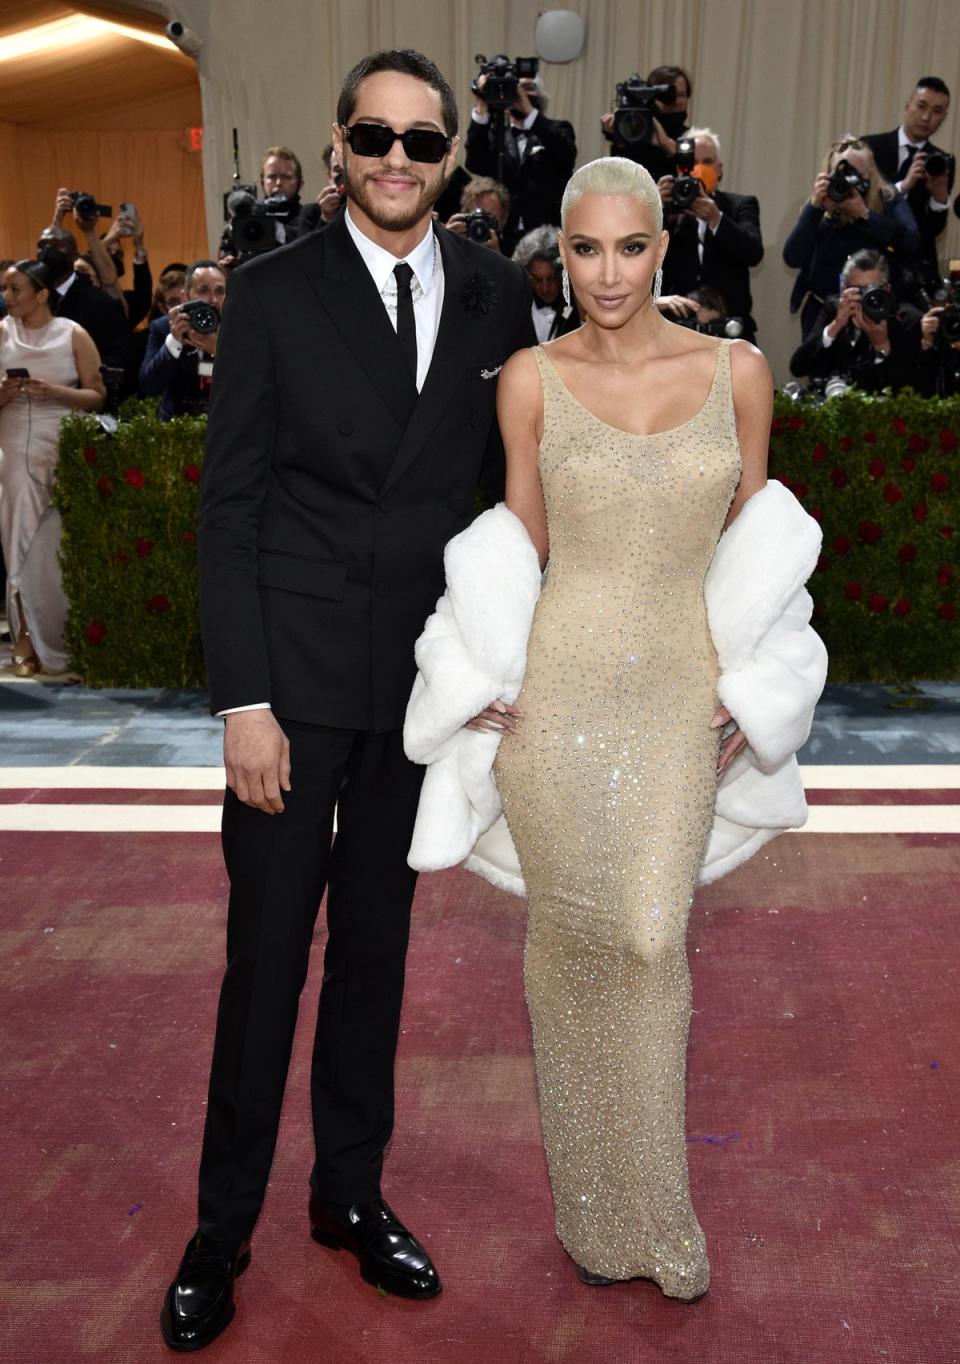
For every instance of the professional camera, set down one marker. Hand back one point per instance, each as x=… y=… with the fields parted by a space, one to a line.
x=729 y=327
x=251 y=229
x=685 y=187
x=845 y=181
x=204 y=317
x=500 y=88
x=938 y=163
x=633 y=119
x=85 y=207
x=481 y=225
x=877 y=303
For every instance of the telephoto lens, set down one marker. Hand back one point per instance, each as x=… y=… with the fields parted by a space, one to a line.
x=877 y=303
x=204 y=317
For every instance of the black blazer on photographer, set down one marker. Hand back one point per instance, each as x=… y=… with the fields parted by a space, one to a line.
x=330 y=488
x=886 y=153
x=537 y=181
x=728 y=254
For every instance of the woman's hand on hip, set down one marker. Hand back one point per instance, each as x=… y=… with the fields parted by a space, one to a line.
x=499 y=718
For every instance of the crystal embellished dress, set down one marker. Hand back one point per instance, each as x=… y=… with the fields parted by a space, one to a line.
x=608 y=788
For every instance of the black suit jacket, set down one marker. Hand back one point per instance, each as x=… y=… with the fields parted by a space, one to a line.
x=728 y=254
x=173 y=379
x=536 y=183
x=101 y=315
x=886 y=153
x=329 y=487
x=853 y=355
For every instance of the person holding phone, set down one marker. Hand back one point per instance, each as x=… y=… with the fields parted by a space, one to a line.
x=49 y=367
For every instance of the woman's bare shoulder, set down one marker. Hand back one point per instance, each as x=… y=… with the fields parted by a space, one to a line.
x=749 y=366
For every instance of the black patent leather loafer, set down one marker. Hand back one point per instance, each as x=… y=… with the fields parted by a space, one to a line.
x=390 y=1256
x=199 y=1303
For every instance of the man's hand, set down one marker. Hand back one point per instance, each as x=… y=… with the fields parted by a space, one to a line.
x=676 y=305
x=256 y=754
x=818 y=196
x=328 y=201
x=938 y=187
x=704 y=207
x=848 y=310
x=877 y=333
x=523 y=98
x=62 y=206
x=929 y=326
x=179 y=324
x=606 y=124
x=665 y=186
x=915 y=175
x=205 y=341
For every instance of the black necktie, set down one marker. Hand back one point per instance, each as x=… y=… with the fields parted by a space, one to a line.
x=406 y=324
x=907 y=161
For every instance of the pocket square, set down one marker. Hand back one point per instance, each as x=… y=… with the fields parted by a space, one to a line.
x=490 y=373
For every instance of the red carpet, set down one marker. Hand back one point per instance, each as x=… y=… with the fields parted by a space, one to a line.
x=822 y=1115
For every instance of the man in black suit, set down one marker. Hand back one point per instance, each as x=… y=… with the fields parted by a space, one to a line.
x=352 y=419
x=178 y=364
x=870 y=353
x=902 y=157
x=539 y=156
x=82 y=301
x=669 y=121
x=539 y=254
x=714 y=243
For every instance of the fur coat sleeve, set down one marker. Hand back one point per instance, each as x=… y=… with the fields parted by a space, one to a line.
x=473 y=650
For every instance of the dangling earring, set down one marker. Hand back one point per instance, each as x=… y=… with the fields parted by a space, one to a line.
x=566 y=287
x=657 y=284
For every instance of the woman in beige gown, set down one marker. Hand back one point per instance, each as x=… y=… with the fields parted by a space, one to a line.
x=59 y=374
x=630 y=445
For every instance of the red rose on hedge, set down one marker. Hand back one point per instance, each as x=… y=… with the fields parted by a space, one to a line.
x=945 y=575
x=920 y=512
x=95 y=631
x=899 y=426
x=842 y=544
x=869 y=437
x=878 y=602
x=949 y=440
x=144 y=548
x=796 y=423
x=192 y=473
x=869 y=532
x=903 y=607
x=947 y=611
x=839 y=478
x=906 y=554
x=120 y=557
x=854 y=591
x=918 y=444
x=104 y=487
x=846 y=444
x=940 y=483
x=907 y=464
x=947 y=532
x=876 y=468
x=158 y=603
x=892 y=494
x=188 y=536
x=90 y=454
x=135 y=478
x=819 y=454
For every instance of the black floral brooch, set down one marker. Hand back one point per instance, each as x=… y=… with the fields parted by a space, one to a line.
x=479 y=294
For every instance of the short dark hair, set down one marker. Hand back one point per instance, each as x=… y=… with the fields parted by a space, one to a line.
x=668 y=75
x=933 y=83
x=196 y=265
x=409 y=63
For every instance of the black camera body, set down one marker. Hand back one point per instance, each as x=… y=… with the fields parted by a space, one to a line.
x=85 y=206
x=685 y=187
x=938 y=163
x=729 y=327
x=845 y=181
x=633 y=118
x=481 y=225
x=877 y=303
x=251 y=229
x=204 y=317
x=503 y=75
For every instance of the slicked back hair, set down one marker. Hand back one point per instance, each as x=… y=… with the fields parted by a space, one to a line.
x=408 y=63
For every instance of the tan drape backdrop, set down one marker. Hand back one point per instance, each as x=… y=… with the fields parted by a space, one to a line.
x=776 y=79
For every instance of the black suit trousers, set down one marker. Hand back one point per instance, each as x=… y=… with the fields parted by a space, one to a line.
x=279 y=866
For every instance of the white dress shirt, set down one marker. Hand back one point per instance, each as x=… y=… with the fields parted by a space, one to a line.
x=426 y=289
x=903 y=144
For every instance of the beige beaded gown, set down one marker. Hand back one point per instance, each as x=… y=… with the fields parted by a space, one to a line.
x=608 y=789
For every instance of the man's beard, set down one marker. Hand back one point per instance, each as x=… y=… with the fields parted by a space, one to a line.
x=392 y=218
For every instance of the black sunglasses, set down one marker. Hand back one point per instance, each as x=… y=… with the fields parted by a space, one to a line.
x=376 y=139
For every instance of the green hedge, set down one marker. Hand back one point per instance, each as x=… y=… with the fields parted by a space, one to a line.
x=129 y=553
x=882 y=475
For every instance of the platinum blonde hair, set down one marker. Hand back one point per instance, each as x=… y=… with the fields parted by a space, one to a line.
x=612 y=175
x=709 y=133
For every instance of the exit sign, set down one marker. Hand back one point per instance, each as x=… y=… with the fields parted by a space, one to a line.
x=195 y=139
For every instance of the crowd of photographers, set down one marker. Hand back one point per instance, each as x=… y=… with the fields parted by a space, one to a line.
x=874 y=310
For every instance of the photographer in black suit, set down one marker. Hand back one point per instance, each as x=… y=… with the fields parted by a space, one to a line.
x=352 y=419
x=920 y=170
x=178 y=364
x=670 y=121
x=938 y=365
x=715 y=241
x=539 y=254
x=539 y=156
x=866 y=335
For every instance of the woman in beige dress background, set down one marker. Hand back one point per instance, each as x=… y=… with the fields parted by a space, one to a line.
x=62 y=376
x=631 y=444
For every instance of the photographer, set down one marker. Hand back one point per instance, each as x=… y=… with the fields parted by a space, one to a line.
x=484 y=212
x=79 y=299
x=105 y=254
x=281 y=178
x=539 y=154
x=715 y=239
x=866 y=335
x=539 y=254
x=655 y=150
x=921 y=171
x=938 y=364
x=329 y=201
x=179 y=361
x=256 y=225
x=851 y=208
